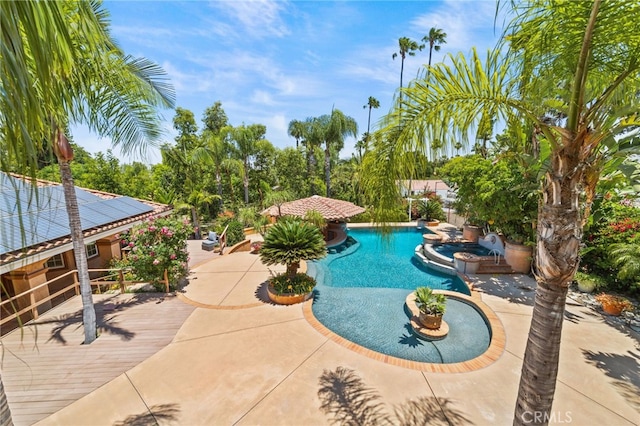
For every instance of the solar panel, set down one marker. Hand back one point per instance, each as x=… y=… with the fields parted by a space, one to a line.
x=44 y=216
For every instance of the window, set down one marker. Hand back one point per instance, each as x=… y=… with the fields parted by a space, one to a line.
x=55 y=262
x=92 y=250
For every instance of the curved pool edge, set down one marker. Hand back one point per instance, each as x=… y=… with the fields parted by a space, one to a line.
x=492 y=354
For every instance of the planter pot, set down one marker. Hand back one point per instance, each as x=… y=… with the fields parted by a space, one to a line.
x=518 y=256
x=586 y=286
x=431 y=238
x=432 y=322
x=286 y=298
x=434 y=222
x=612 y=309
x=471 y=233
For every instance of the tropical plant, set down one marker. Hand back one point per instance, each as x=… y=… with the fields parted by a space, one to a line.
x=407 y=47
x=297 y=131
x=617 y=303
x=158 y=245
x=332 y=130
x=314 y=217
x=435 y=38
x=54 y=75
x=290 y=241
x=574 y=58
x=235 y=232
x=627 y=258
x=431 y=210
x=245 y=139
x=430 y=303
x=371 y=103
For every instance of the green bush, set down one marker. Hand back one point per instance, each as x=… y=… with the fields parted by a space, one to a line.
x=235 y=232
x=157 y=245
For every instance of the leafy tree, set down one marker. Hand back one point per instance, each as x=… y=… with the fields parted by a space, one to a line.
x=290 y=164
x=54 y=75
x=105 y=173
x=407 y=47
x=290 y=241
x=215 y=119
x=579 y=58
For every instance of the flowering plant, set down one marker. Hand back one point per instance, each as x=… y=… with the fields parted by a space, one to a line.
x=617 y=302
x=296 y=284
x=157 y=245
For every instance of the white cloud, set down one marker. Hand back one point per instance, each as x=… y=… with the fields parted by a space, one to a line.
x=262 y=97
x=258 y=18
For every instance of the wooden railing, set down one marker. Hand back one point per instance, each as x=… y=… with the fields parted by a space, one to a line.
x=223 y=239
x=11 y=304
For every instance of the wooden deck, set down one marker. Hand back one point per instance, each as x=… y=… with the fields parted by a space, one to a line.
x=48 y=367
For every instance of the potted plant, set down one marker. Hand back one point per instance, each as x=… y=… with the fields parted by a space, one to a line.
x=288 y=242
x=518 y=249
x=431 y=211
x=585 y=282
x=432 y=307
x=614 y=305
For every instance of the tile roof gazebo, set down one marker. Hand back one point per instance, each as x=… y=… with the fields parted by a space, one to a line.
x=331 y=209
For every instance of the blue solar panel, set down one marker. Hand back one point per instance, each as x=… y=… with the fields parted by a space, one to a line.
x=43 y=216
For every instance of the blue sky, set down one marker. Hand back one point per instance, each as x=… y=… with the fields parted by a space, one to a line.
x=270 y=62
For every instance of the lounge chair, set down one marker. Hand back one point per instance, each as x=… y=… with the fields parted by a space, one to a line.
x=211 y=242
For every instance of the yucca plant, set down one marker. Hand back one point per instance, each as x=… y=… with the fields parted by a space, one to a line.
x=289 y=242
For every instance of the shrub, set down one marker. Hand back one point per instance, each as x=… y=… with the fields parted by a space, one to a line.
x=157 y=245
x=235 y=232
x=296 y=284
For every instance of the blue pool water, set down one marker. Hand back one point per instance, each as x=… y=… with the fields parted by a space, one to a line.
x=448 y=249
x=361 y=293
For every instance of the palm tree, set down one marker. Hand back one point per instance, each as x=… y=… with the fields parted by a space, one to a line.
x=371 y=103
x=407 y=47
x=435 y=38
x=245 y=139
x=290 y=241
x=333 y=129
x=627 y=258
x=297 y=130
x=64 y=74
x=571 y=58
x=214 y=151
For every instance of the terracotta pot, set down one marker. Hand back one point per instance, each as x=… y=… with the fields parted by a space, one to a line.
x=471 y=233
x=518 y=256
x=432 y=322
x=612 y=308
x=433 y=222
x=286 y=298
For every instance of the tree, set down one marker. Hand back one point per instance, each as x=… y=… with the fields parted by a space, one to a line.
x=245 y=139
x=407 y=47
x=214 y=118
x=578 y=59
x=371 y=103
x=435 y=38
x=297 y=130
x=62 y=74
x=332 y=129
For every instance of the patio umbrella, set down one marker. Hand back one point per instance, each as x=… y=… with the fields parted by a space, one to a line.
x=330 y=208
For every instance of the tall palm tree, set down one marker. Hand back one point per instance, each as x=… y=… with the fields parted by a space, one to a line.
x=407 y=47
x=245 y=139
x=213 y=152
x=371 y=103
x=74 y=75
x=435 y=38
x=297 y=130
x=332 y=130
x=580 y=60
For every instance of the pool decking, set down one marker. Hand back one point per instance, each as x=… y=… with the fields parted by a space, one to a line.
x=48 y=367
x=237 y=360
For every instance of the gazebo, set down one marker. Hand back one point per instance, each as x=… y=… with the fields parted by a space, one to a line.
x=331 y=209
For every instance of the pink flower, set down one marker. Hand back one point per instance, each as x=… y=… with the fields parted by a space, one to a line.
x=152 y=253
x=131 y=244
x=172 y=257
x=156 y=262
x=152 y=228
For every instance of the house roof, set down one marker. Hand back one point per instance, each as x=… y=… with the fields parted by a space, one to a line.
x=424 y=185
x=34 y=220
x=330 y=208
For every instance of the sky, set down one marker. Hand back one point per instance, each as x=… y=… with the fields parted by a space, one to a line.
x=272 y=61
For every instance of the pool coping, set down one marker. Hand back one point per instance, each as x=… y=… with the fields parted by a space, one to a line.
x=492 y=354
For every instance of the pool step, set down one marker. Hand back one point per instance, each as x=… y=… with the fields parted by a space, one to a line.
x=489 y=266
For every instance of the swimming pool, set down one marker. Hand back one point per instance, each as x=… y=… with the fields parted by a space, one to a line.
x=361 y=292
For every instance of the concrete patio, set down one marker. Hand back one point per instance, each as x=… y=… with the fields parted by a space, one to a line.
x=240 y=360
